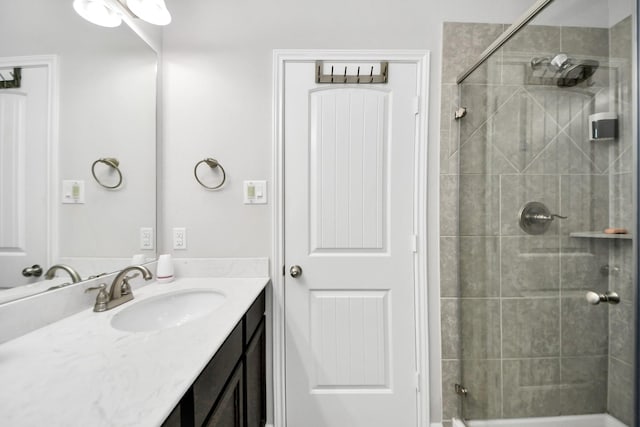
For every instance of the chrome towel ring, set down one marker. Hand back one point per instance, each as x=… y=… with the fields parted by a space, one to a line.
x=212 y=163
x=112 y=162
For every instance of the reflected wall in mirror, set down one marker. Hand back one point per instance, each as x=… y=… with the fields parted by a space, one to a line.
x=87 y=93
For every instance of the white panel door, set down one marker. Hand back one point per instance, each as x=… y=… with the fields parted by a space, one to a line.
x=23 y=176
x=349 y=203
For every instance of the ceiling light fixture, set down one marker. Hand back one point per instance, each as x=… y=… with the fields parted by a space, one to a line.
x=97 y=12
x=153 y=11
x=109 y=13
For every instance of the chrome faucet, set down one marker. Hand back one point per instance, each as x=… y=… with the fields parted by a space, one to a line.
x=120 y=291
x=51 y=273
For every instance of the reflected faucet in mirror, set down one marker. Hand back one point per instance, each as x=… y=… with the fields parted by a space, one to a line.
x=51 y=272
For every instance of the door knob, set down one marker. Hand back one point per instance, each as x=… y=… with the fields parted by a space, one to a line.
x=33 y=271
x=295 y=271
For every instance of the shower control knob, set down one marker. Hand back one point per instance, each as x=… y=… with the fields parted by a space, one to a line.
x=295 y=271
x=608 y=297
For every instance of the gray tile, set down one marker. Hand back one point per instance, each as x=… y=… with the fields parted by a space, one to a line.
x=578 y=131
x=448 y=162
x=449 y=277
x=479 y=156
x=561 y=156
x=516 y=190
x=542 y=40
x=621 y=39
x=479 y=266
x=516 y=68
x=530 y=327
x=450 y=400
x=561 y=104
x=579 y=41
x=450 y=326
x=581 y=262
x=521 y=129
x=585 y=328
x=462 y=44
x=479 y=205
x=480 y=328
x=620 y=399
x=585 y=201
x=621 y=155
x=621 y=332
x=482 y=378
x=621 y=268
x=481 y=101
x=530 y=266
x=621 y=201
x=449 y=205
x=446 y=109
x=532 y=388
x=585 y=385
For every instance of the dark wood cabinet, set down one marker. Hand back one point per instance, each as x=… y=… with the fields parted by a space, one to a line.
x=256 y=414
x=231 y=390
x=229 y=412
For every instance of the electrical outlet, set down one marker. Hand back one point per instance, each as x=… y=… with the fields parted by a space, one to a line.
x=179 y=238
x=146 y=238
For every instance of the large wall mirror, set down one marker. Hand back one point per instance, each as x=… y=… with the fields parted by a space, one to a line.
x=87 y=96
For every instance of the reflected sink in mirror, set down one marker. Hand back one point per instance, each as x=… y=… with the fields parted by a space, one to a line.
x=167 y=310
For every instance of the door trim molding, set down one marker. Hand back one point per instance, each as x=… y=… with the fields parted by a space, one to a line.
x=51 y=63
x=280 y=58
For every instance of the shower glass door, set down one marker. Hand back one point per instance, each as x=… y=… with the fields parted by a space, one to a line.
x=546 y=181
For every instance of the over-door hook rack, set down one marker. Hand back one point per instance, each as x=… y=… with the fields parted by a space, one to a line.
x=14 y=83
x=341 y=76
x=111 y=162
x=212 y=163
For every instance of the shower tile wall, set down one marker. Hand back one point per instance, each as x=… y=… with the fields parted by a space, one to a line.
x=515 y=325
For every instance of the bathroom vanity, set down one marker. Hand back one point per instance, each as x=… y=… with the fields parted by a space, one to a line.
x=230 y=391
x=106 y=369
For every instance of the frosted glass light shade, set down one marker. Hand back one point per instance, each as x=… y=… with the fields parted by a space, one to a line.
x=153 y=11
x=97 y=12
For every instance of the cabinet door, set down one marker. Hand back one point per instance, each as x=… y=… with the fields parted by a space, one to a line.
x=255 y=379
x=229 y=412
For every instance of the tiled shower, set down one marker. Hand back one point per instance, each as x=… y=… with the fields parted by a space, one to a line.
x=517 y=331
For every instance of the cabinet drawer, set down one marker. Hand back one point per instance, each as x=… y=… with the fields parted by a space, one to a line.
x=211 y=381
x=254 y=316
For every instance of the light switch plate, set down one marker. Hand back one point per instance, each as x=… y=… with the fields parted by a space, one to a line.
x=255 y=192
x=73 y=192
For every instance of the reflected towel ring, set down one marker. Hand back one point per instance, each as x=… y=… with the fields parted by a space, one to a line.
x=212 y=163
x=112 y=162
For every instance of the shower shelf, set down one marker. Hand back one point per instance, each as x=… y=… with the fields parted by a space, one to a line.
x=600 y=235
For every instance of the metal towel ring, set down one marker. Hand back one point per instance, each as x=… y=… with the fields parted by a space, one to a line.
x=212 y=163
x=109 y=161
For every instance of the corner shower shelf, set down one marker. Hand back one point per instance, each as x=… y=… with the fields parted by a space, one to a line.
x=600 y=235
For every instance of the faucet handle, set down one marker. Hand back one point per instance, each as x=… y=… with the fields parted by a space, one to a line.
x=101 y=299
x=125 y=288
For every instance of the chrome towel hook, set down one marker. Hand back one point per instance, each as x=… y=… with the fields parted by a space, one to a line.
x=111 y=162
x=212 y=163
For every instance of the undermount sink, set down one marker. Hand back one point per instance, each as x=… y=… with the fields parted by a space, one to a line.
x=167 y=310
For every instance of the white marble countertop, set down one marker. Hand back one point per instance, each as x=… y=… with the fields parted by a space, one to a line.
x=80 y=371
